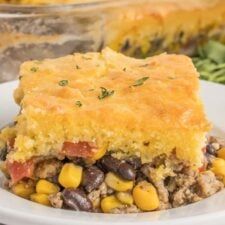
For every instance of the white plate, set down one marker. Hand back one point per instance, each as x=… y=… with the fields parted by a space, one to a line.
x=17 y=211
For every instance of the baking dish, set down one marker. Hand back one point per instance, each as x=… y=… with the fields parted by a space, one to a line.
x=136 y=28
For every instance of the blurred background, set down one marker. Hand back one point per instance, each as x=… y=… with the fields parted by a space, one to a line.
x=37 y=29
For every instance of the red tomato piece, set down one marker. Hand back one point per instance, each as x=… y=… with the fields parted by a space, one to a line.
x=18 y=170
x=81 y=149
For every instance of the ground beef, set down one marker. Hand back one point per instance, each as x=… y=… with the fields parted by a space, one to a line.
x=48 y=168
x=208 y=184
x=126 y=209
x=161 y=189
x=56 y=200
x=181 y=185
x=184 y=196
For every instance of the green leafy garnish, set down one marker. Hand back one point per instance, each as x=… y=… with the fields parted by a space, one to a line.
x=34 y=69
x=210 y=62
x=63 y=82
x=78 y=103
x=105 y=93
x=140 y=82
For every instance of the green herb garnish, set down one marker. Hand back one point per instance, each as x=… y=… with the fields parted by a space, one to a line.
x=210 y=62
x=140 y=82
x=171 y=78
x=78 y=103
x=63 y=82
x=105 y=93
x=34 y=69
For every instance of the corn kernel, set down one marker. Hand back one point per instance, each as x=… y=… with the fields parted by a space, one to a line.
x=40 y=198
x=145 y=196
x=125 y=198
x=221 y=153
x=117 y=183
x=109 y=203
x=99 y=154
x=218 y=167
x=70 y=175
x=46 y=187
x=23 y=189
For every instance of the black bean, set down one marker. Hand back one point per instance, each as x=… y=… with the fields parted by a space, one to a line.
x=92 y=179
x=3 y=153
x=76 y=199
x=110 y=163
x=125 y=46
x=210 y=150
x=126 y=171
x=54 y=179
x=134 y=161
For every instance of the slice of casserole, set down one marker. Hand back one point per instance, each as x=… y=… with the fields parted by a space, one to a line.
x=98 y=112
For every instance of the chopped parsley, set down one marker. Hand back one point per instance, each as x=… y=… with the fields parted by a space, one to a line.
x=34 y=69
x=210 y=61
x=140 y=82
x=63 y=82
x=78 y=103
x=105 y=93
x=171 y=78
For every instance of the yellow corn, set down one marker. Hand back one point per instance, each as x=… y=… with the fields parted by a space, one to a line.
x=221 y=153
x=23 y=189
x=46 y=187
x=109 y=203
x=125 y=198
x=70 y=175
x=40 y=198
x=145 y=196
x=117 y=183
x=218 y=167
x=99 y=154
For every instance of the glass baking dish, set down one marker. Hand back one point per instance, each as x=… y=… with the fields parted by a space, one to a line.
x=37 y=32
x=137 y=28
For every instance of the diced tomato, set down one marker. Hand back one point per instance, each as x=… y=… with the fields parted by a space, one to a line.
x=201 y=169
x=81 y=149
x=18 y=170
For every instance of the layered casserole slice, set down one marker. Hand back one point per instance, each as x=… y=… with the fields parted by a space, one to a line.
x=107 y=133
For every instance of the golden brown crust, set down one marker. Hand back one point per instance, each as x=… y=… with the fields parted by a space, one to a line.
x=164 y=111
